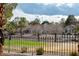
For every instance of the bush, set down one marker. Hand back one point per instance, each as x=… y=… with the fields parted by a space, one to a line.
x=24 y=50
x=39 y=51
x=73 y=54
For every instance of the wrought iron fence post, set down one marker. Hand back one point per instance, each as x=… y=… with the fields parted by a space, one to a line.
x=55 y=37
x=78 y=43
x=9 y=42
x=32 y=53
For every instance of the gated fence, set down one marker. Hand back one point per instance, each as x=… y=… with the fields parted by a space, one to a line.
x=55 y=44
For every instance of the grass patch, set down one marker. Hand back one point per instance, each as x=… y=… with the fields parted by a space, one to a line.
x=23 y=42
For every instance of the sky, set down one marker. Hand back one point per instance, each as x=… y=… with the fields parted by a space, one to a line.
x=50 y=9
x=46 y=11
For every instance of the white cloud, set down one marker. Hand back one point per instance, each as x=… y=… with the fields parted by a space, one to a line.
x=31 y=17
x=20 y=13
x=70 y=4
x=59 y=4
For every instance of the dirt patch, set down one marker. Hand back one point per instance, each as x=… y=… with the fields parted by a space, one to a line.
x=62 y=47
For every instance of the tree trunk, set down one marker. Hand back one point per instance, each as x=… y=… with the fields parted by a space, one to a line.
x=21 y=32
x=1 y=42
x=38 y=36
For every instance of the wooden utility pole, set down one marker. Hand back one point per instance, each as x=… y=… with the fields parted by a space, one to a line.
x=1 y=24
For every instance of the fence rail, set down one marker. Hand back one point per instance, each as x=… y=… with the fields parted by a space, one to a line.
x=55 y=44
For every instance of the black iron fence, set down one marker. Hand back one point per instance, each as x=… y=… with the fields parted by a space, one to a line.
x=55 y=44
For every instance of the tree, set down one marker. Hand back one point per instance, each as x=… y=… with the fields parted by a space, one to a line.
x=9 y=7
x=5 y=14
x=36 y=21
x=77 y=28
x=16 y=20
x=70 y=20
x=45 y=22
x=11 y=27
x=62 y=22
x=21 y=24
x=35 y=24
x=45 y=25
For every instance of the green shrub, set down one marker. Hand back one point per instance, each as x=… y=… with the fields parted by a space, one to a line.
x=39 y=51
x=73 y=54
x=24 y=50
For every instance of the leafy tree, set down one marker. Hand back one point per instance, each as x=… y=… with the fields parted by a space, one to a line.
x=11 y=27
x=16 y=20
x=70 y=20
x=45 y=25
x=9 y=7
x=45 y=22
x=7 y=12
x=77 y=29
x=22 y=23
x=35 y=24
x=36 y=21
x=62 y=22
